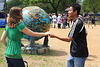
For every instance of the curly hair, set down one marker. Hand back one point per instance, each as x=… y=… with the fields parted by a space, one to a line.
x=14 y=17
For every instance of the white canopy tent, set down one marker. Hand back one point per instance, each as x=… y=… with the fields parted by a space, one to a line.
x=1 y=1
x=3 y=10
x=1 y=4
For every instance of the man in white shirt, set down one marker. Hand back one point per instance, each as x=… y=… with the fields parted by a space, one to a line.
x=59 y=20
x=54 y=19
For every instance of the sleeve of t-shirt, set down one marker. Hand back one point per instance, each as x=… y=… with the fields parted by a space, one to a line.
x=5 y=28
x=75 y=30
x=21 y=26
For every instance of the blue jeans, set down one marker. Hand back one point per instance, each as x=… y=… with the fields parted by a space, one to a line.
x=76 y=61
x=64 y=26
x=12 y=62
x=54 y=24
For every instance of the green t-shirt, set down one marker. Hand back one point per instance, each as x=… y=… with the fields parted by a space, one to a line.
x=14 y=35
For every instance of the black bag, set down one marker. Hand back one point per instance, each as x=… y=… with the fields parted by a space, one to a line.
x=26 y=63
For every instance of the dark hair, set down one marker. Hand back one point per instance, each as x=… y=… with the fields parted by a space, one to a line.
x=89 y=14
x=76 y=7
x=14 y=17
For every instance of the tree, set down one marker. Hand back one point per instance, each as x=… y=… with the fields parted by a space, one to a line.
x=76 y=1
x=73 y=1
x=48 y=8
x=91 y=5
x=11 y=3
x=85 y=7
x=53 y=3
x=65 y=4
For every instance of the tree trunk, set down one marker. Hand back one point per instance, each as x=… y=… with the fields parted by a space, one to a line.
x=63 y=3
x=94 y=16
x=55 y=7
x=94 y=13
x=56 y=12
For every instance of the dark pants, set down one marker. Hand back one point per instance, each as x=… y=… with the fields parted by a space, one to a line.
x=59 y=25
x=68 y=25
x=12 y=62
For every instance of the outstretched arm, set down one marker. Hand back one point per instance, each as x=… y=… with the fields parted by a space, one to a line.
x=3 y=38
x=34 y=34
x=67 y=39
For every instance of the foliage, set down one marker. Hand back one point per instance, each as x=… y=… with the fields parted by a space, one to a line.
x=85 y=7
x=48 y=8
x=64 y=4
x=53 y=3
x=12 y=3
x=73 y=1
x=51 y=6
x=91 y=5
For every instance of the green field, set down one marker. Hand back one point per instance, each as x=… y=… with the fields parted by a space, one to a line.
x=97 y=22
x=2 y=49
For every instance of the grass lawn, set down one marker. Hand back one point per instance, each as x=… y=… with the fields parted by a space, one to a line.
x=2 y=49
x=97 y=22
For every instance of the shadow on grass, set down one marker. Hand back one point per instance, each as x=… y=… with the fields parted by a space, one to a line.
x=50 y=53
x=91 y=58
x=55 y=53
